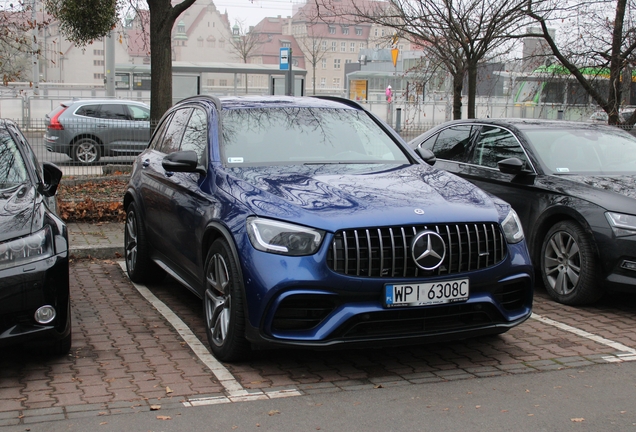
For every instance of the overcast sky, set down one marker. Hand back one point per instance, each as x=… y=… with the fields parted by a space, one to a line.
x=250 y=12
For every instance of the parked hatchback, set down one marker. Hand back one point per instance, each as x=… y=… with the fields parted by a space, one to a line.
x=307 y=222
x=35 y=306
x=573 y=185
x=86 y=130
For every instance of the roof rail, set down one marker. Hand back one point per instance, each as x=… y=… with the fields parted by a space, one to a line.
x=342 y=100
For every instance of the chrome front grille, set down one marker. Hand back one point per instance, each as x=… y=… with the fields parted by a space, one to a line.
x=386 y=252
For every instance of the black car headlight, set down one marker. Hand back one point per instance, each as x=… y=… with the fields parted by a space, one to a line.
x=24 y=250
x=283 y=238
x=512 y=229
x=622 y=224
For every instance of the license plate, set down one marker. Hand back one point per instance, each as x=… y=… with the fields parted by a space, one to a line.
x=426 y=293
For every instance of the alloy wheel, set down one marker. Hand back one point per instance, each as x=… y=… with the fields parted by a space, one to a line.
x=217 y=299
x=131 y=241
x=562 y=262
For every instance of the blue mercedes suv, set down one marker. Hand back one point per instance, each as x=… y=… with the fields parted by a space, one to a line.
x=308 y=222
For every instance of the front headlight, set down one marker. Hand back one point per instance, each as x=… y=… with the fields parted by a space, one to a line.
x=622 y=224
x=512 y=227
x=28 y=249
x=283 y=238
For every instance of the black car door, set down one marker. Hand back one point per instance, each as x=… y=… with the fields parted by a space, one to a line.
x=492 y=145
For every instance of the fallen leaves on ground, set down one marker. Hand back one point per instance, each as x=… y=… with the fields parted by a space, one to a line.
x=98 y=201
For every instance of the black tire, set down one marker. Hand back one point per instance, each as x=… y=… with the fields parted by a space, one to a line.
x=86 y=151
x=223 y=305
x=569 y=266
x=139 y=266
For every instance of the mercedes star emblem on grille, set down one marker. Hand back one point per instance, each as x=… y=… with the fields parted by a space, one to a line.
x=428 y=249
x=419 y=211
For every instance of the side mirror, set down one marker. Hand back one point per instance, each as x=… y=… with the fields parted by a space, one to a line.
x=52 y=178
x=182 y=161
x=426 y=155
x=511 y=165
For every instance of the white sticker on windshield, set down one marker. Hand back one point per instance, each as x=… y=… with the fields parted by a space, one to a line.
x=563 y=169
x=235 y=160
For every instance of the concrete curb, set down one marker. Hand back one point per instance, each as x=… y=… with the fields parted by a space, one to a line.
x=99 y=252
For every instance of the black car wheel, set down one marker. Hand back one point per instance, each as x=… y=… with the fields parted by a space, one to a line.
x=138 y=263
x=569 y=266
x=86 y=151
x=223 y=304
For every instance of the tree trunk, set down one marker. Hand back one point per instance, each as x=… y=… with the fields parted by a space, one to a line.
x=458 y=85
x=472 y=90
x=313 y=79
x=162 y=18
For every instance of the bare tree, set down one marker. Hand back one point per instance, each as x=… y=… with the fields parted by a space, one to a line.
x=17 y=41
x=244 y=44
x=597 y=40
x=460 y=34
x=314 y=50
x=83 y=21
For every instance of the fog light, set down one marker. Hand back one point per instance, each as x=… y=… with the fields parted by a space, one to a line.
x=629 y=265
x=45 y=314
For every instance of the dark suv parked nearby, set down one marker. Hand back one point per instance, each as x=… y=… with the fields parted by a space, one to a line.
x=89 y=129
x=309 y=222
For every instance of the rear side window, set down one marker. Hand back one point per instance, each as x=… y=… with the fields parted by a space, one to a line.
x=88 y=111
x=496 y=144
x=113 y=112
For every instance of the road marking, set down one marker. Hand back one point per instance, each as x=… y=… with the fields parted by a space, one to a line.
x=235 y=391
x=626 y=354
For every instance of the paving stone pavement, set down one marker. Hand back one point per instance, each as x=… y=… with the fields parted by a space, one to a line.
x=126 y=357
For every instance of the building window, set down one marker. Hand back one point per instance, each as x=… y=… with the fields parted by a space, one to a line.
x=401 y=47
x=99 y=76
x=210 y=82
x=324 y=45
x=98 y=52
x=336 y=83
x=352 y=47
x=222 y=43
x=323 y=82
x=332 y=30
x=382 y=32
x=343 y=46
x=286 y=44
x=333 y=46
x=200 y=42
x=98 y=62
x=345 y=30
x=358 y=31
x=324 y=63
x=348 y=61
x=375 y=32
x=336 y=63
x=361 y=45
x=223 y=82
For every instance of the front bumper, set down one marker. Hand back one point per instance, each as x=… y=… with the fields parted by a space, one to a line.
x=297 y=302
x=23 y=290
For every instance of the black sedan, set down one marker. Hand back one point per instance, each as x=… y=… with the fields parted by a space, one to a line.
x=572 y=184
x=34 y=280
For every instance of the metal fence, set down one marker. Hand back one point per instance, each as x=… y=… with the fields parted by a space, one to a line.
x=117 y=145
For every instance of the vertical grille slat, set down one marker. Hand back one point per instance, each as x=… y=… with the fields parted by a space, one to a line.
x=357 y=252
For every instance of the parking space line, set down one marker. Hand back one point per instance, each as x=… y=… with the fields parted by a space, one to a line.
x=626 y=353
x=233 y=388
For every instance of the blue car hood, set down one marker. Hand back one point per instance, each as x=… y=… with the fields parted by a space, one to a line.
x=18 y=212
x=346 y=196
